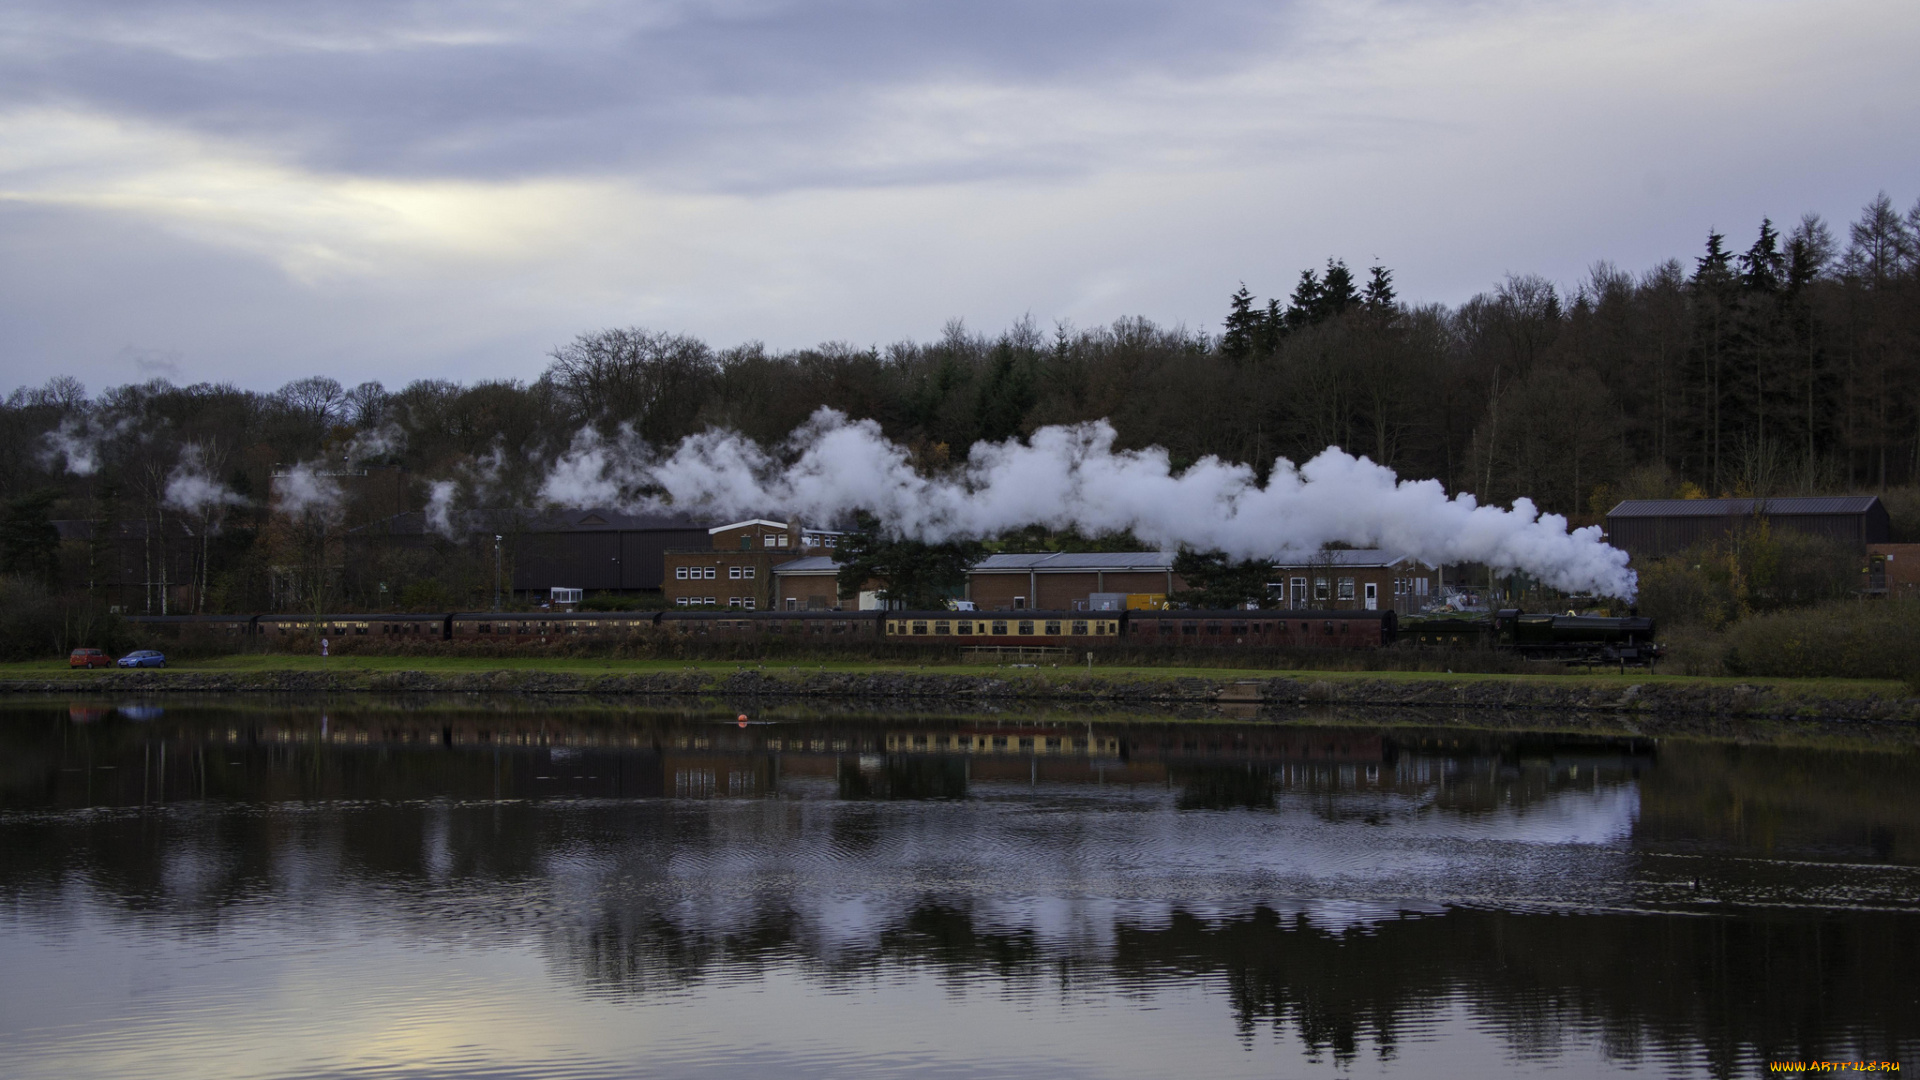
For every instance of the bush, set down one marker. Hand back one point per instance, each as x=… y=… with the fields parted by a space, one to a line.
x=35 y=624
x=1850 y=639
x=1757 y=569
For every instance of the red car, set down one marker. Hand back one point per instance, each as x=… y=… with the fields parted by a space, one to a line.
x=89 y=658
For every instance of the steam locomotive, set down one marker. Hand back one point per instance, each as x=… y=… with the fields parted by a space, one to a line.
x=1567 y=638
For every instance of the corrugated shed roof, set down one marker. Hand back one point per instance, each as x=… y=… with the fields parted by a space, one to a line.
x=1347 y=557
x=1824 y=504
x=1077 y=560
x=812 y=564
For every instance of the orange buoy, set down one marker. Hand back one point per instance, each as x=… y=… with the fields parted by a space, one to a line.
x=743 y=719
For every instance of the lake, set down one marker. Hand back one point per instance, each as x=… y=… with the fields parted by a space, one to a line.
x=502 y=888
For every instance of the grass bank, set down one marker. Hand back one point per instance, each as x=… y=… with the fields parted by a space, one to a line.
x=716 y=673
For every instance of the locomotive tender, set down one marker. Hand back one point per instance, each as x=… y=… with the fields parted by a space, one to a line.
x=1569 y=638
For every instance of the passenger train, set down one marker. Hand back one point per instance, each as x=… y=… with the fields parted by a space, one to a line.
x=1542 y=636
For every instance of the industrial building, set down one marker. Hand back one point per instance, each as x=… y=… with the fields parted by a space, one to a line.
x=1063 y=581
x=594 y=549
x=1653 y=528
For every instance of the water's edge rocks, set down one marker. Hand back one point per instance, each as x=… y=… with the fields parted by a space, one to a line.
x=1756 y=700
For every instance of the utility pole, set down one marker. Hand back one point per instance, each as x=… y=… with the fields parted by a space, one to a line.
x=496 y=573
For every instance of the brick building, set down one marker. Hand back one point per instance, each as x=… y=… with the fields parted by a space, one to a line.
x=736 y=568
x=1367 y=579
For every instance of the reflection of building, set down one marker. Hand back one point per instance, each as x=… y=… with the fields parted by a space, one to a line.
x=595 y=549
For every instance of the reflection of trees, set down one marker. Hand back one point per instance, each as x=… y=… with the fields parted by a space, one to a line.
x=1768 y=799
x=447 y=838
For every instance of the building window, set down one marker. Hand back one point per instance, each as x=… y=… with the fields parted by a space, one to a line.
x=680 y=573
x=746 y=572
x=1321 y=590
x=733 y=601
x=712 y=572
x=711 y=602
x=747 y=603
x=1346 y=588
x=733 y=572
x=1019 y=603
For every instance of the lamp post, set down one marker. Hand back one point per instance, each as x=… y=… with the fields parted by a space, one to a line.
x=496 y=573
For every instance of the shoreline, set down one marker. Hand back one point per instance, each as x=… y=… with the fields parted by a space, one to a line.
x=1250 y=695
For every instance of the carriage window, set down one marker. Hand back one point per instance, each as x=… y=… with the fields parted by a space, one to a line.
x=1026 y=628
x=1190 y=628
x=1053 y=626
x=965 y=628
x=1079 y=628
x=1280 y=627
x=486 y=628
x=1213 y=627
x=1343 y=628
x=1237 y=628
x=999 y=628
x=1329 y=627
x=920 y=628
x=943 y=628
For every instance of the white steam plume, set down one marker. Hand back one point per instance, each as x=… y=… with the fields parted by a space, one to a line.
x=192 y=488
x=76 y=445
x=440 y=507
x=1072 y=477
x=376 y=443
x=305 y=491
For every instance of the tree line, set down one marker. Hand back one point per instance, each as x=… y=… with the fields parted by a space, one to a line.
x=1780 y=361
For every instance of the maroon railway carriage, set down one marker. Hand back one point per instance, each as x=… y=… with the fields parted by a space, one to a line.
x=1263 y=629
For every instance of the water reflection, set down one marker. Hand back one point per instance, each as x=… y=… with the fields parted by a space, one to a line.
x=1340 y=894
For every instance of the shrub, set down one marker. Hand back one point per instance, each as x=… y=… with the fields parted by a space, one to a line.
x=1850 y=639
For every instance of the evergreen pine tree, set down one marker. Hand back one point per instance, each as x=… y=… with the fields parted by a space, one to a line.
x=1243 y=326
x=1337 y=289
x=1379 y=296
x=1715 y=268
x=1273 y=327
x=1304 y=307
x=1763 y=266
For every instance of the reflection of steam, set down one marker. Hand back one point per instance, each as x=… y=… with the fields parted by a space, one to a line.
x=1072 y=476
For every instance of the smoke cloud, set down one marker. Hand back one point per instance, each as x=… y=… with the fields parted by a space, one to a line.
x=192 y=488
x=1072 y=477
x=305 y=491
x=76 y=445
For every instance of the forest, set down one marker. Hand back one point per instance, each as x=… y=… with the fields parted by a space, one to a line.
x=1782 y=360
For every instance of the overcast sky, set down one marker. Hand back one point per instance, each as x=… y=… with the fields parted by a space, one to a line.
x=383 y=189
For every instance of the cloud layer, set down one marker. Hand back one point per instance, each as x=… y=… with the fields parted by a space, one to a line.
x=387 y=190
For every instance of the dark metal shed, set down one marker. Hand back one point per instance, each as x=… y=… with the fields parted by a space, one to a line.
x=1650 y=528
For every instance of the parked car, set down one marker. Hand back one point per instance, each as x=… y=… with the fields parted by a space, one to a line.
x=143 y=658
x=89 y=658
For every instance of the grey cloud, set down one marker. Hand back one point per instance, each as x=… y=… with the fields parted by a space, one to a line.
x=669 y=91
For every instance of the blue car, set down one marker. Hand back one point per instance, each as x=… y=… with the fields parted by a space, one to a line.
x=143 y=658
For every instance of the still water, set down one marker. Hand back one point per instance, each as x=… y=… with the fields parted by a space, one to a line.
x=315 y=889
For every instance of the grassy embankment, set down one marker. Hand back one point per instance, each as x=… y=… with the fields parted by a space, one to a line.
x=345 y=665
